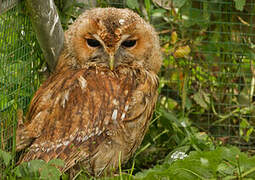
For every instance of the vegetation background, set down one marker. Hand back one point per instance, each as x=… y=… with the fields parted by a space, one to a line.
x=206 y=89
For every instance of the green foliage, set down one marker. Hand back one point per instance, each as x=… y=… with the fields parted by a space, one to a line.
x=239 y=4
x=223 y=162
x=133 y=4
x=35 y=169
x=6 y=157
x=208 y=63
x=20 y=60
x=68 y=10
x=40 y=169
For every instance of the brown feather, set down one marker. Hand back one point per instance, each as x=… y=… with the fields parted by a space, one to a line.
x=92 y=107
x=85 y=113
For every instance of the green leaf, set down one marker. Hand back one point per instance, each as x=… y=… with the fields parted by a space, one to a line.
x=7 y=157
x=179 y=3
x=148 y=6
x=56 y=162
x=217 y=164
x=132 y=4
x=200 y=99
x=239 y=4
x=50 y=172
x=35 y=165
x=193 y=16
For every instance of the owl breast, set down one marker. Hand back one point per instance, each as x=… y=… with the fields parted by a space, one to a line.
x=91 y=117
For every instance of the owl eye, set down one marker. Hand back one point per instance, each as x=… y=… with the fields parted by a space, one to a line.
x=129 y=43
x=93 y=43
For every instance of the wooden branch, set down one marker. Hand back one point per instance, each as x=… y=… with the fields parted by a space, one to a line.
x=48 y=29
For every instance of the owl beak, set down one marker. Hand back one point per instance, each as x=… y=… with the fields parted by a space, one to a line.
x=111 y=63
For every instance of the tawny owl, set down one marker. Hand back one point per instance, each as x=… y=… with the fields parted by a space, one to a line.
x=97 y=106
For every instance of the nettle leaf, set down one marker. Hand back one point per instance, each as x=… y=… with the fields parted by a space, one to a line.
x=239 y=4
x=56 y=162
x=35 y=165
x=219 y=163
x=7 y=157
x=50 y=172
x=133 y=4
x=153 y=173
x=29 y=169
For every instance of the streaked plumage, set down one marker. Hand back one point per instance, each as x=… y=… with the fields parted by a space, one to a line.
x=87 y=113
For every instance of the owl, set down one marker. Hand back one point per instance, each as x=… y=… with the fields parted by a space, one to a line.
x=93 y=112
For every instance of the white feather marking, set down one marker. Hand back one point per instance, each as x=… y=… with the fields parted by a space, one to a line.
x=108 y=133
x=121 y=21
x=126 y=108
x=85 y=138
x=115 y=102
x=114 y=116
x=43 y=149
x=59 y=145
x=79 y=138
x=83 y=82
x=35 y=145
x=66 y=143
x=91 y=135
x=97 y=130
x=65 y=98
x=123 y=116
x=37 y=116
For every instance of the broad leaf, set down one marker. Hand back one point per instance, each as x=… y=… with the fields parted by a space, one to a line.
x=6 y=157
x=239 y=4
x=56 y=162
x=50 y=172
x=199 y=99
x=132 y=4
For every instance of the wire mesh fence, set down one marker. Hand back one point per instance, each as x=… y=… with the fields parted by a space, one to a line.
x=19 y=62
x=207 y=75
x=216 y=80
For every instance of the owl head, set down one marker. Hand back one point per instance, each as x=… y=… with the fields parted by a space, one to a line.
x=111 y=37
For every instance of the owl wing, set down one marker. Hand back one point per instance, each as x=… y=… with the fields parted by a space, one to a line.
x=72 y=111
